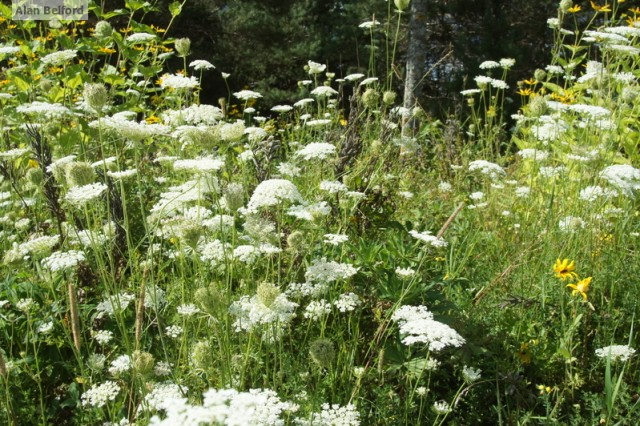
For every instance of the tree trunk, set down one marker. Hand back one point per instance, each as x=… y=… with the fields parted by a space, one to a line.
x=416 y=56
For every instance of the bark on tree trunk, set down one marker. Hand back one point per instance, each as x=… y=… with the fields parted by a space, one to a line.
x=416 y=55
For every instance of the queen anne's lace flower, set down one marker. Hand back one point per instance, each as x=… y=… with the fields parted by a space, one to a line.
x=319 y=150
x=99 y=395
x=61 y=261
x=418 y=327
x=616 y=352
x=272 y=192
x=79 y=196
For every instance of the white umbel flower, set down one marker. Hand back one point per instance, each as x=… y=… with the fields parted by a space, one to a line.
x=273 y=192
x=80 y=196
x=418 y=327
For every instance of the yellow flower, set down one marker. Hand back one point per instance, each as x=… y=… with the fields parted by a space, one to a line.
x=605 y=8
x=152 y=119
x=581 y=287
x=565 y=269
x=525 y=92
x=574 y=9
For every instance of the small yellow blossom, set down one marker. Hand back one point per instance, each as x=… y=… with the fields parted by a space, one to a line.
x=581 y=287
x=565 y=269
x=152 y=119
x=574 y=9
x=605 y=8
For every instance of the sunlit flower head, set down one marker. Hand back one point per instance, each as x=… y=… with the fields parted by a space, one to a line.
x=565 y=269
x=581 y=287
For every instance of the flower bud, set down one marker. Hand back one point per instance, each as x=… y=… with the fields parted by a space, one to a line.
x=95 y=95
x=565 y=5
x=267 y=293
x=103 y=29
x=370 y=98
x=322 y=352
x=79 y=173
x=539 y=75
x=402 y=5
x=389 y=97
x=142 y=362
x=183 y=47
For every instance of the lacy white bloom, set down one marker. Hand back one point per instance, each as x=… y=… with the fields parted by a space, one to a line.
x=333 y=415
x=123 y=125
x=60 y=58
x=324 y=91
x=616 y=352
x=245 y=95
x=61 y=261
x=79 y=196
x=471 y=374
x=99 y=395
x=335 y=239
x=405 y=272
x=428 y=238
x=324 y=271
x=12 y=154
x=9 y=50
x=487 y=168
x=173 y=331
x=592 y=193
x=317 y=309
x=194 y=115
x=122 y=174
x=224 y=407
x=39 y=246
x=199 y=165
x=441 y=408
x=120 y=365
x=368 y=81
x=140 y=38
x=486 y=65
x=622 y=176
x=316 y=123
x=201 y=64
x=177 y=81
x=319 y=150
x=310 y=212
x=534 y=154
x=303 y=102
x=347 y=302
x=44 y=110
x=282 y=108
x=476 y=196
x=288 y=170
x=418 y=326
x=315 y=68
x=507 y=63
x=272 y=192
x=333 y=187
x=368 y=25
x=187 y=310
x=111 y=304
x=571 y=224
x=102 y=336
x=251 y=312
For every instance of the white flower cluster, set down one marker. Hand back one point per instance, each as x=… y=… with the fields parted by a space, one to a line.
x=333 y=186
x=44 y=110
x=533 y=154
x=251 y=312
x=245 y=95
x=9 y=50
x=176 y=197
x=59 y=58
x=335 y=239
x=616 y=352
x=347 y=302
x=592 y=193
x=120 y=365
x=271 y=193
x=99 y=395
x=199 y=165
x=323 y=271
x=117 y=302
x=623 y=176
x=224 y=407
x=418 y=326
x=309 y=212
x=201 y=64
x=140 y=38
x=80 y=196
x=193 y=115
x=428 y=238
x=122 y=125
x=61 y=261
x=178 y=81
x=316 y=309
x=161 y=392
x=333 y=415
x=487 y=168
x=231 y=132
x=317 y=150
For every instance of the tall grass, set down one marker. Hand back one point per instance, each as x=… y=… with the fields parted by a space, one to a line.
x=166 y=261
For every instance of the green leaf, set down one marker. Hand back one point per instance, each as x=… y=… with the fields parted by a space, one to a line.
x=21 y=84
x=134 y=5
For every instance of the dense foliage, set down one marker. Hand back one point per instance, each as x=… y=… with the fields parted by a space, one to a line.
x=169 y=261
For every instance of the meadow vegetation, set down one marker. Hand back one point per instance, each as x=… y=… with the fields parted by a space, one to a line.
x=343 y=260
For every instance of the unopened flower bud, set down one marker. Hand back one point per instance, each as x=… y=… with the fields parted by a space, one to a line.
x=79 y=173
x=402 y=5
x=95 y=95
x=183 y=47
x=267 y=293
x=322 y=352
x=389 y=97
x=103 y=29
